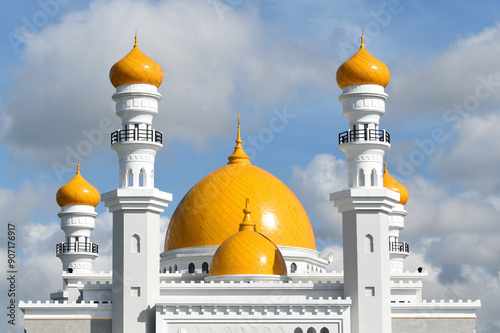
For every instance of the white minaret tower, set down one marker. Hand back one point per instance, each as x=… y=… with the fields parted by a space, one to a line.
x=398 y=250
x=77 y=200
x=136 y=205
x=365 y=205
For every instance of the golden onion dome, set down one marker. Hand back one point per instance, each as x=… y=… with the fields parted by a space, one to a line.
x=247 y=252
x=363 y=68
x=393 y=185
x=209 y=213
x=136 y=68
x=78 y=191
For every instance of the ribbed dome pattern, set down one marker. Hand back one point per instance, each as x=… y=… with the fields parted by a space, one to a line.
x=363 y=68
x=136 y=68
x=78 y=191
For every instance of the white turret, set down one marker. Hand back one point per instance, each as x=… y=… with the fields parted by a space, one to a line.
x=365 y=205
x=136 y=205
x=77 y=200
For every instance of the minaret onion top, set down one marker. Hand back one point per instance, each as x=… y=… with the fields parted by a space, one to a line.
x=393 y=185
x=238 y=156
x=363 y=68
x=136 y=68
x=78 y=191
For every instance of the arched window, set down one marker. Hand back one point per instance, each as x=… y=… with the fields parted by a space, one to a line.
x=135 y=244
x=141 y=178
x=374 y=177
x=204 y=267
x=130 y=178
x=311 y=330
x=170 y=269
x=368 y=243
x=324 y=330
x=293 y=268
x=175 y=268
x=191 y=268
x=164 y=269
x=298 y=330
x=361 y=177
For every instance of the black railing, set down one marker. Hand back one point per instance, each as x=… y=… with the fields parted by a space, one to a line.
x=364 y=135
x=136 y=134
x=399 y=247
x=77 y=247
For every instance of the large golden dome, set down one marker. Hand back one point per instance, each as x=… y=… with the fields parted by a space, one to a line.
x=78 y=191
x=363 y=68
x=211 y=211
x=247 y=252
x=136 y=68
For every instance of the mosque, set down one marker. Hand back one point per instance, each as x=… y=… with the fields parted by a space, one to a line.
x=240 y=253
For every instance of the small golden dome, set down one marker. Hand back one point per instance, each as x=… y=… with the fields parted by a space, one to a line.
x=247 y=252
x=136 y=68
x=78 y=192
x=209 y=213
x=363 y=68
x=393 y=185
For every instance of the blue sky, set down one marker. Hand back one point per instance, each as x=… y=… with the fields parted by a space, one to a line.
x=267 y=59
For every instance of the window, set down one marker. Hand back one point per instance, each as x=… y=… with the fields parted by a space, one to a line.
x=368 y=243
x=204 y=267
x=130 y=177
x=374 y=177
x=324 y=330
x=141 y=178
x=175 y=268
x=361 y=178
x=191 y=268
x=293 y=268
x=298 y=330
x=135 y=244
x=311 y=330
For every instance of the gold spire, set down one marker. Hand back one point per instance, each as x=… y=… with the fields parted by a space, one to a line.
x=247 y=224
x=135 y=44
x=238 y=156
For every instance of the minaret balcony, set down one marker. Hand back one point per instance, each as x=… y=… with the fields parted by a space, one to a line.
x=364 y=135
x=401 y=247
x=77 y=248
x=136 y=134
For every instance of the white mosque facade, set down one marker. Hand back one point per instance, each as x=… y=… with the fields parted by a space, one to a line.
x=240 y=253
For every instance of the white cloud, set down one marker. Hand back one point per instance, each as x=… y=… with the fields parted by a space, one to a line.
x=453 y=77
x=63 y=87
x=323 y=175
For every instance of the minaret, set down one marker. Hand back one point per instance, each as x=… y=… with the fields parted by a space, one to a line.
x=136 y=205
x=77 y=200
x=365 y=205
x=398 y=250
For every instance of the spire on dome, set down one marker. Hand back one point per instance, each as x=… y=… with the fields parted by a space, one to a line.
x=363 y=68
x=247 y=224
x=78 y=192
x=393 y=185
x=136 y=68
x=238 y=156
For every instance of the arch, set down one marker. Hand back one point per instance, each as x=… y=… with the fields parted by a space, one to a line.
x=324 y=330
x=311 y=330
x=293 y=267
x=175 y=268
x=204 y=267
x=164 y=269
x=170 y=269
x=135 y=244
x=374 y=178
x=191 y=268
x=142 y=178
x=361 y=177
x=130 y=178
x=368 y=243
x=298 y=330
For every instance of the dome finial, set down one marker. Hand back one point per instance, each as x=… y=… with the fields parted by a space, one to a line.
x=78 y=168
x=362 y=40
x=135 y=37
x=238 y=155
x=247 y=224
